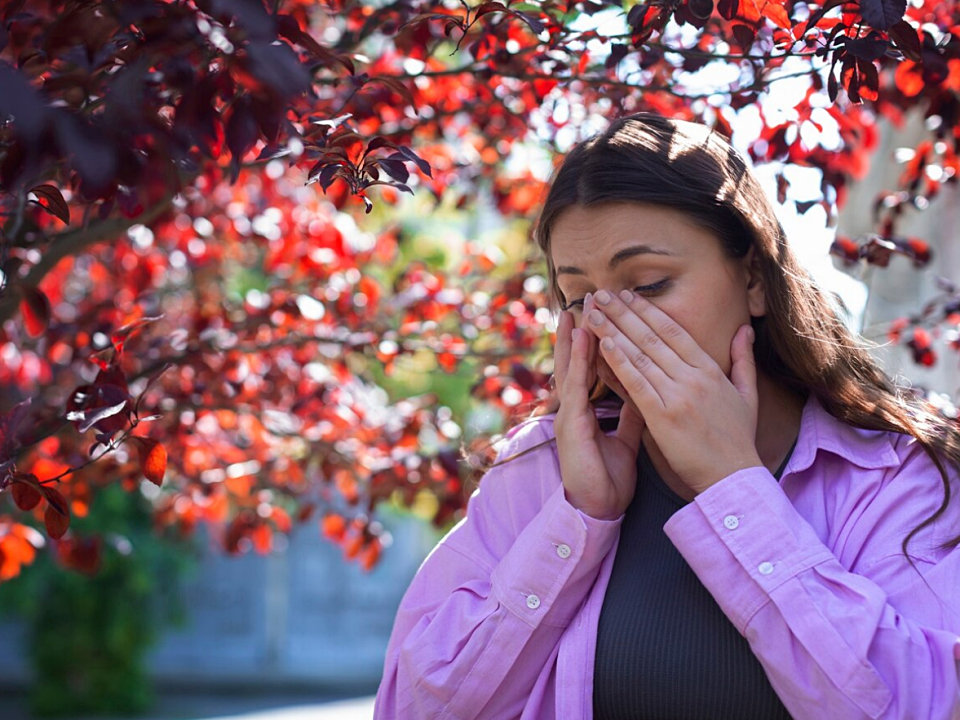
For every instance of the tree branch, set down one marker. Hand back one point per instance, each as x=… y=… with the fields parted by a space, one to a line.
x=72 y=242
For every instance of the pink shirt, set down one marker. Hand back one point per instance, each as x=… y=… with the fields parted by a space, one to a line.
x=501 y=618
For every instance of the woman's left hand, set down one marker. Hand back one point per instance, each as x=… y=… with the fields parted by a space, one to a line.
x=704 y=423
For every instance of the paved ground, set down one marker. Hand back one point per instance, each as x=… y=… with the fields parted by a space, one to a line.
x=228 y=707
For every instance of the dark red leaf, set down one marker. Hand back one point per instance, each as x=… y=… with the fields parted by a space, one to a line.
x=744 y=35
x=882 y=14
x=701 y=9
x=56 y=501
x=278 y=67
x=35 y=308
x=533 y=23
x=919 y=251
x=10 y=433
x=327 y=175
x=907 y=40
x=242 y=130
x=782 y=186
x=271 y=152
x=728 y=9
x=81 y=554
x=869 y=48
x=420 y=162
x=26 y=491
x=394 y=168
x=846 y=249
x=877 y=251
x=55 y=522
x=88 y=418
x=377 y=143
x=833 y=85
x=51 y=199
x=489 y=7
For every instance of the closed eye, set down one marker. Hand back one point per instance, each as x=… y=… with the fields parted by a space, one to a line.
x=644 y=289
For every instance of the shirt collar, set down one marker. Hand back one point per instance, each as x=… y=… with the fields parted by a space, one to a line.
x=819 y=430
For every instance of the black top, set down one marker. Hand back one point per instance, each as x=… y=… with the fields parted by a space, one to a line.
x=665 y=649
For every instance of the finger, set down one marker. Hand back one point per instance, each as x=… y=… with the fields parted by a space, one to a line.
x=592 y=353
x=592 y=339
x=668 y=330
x=576 y=391
x=634 y=380
x=589 y=303
x=743 y=373
x=620 y=316
x=561 y=354
x=653 y=372
x=630 y=427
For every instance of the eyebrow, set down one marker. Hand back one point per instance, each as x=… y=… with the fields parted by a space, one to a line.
x=618 y=258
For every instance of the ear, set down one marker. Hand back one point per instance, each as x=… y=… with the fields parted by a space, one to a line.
x=756 y=292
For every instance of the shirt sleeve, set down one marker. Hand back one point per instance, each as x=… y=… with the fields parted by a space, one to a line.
x=834 y=643
x=486 y=609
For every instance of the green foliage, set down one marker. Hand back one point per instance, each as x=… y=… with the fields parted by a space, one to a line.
x=89 y=635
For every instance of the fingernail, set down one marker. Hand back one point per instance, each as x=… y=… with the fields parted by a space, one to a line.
x=626 y=295
x=603 y=297
x=595 y=317
x=587 y=298
x=751 y=335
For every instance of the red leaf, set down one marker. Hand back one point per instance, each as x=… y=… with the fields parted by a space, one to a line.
x=153 y=460
x=57 y=515
x=333 y=526
x=869 y=80
x=25 y=490
x=55 y=500
x=909 y=78
x=81 y=554
x=50 y=199
x=35 y=308
x=919 y=251
x=370 y=554
x=778 y=14
x=261 y=536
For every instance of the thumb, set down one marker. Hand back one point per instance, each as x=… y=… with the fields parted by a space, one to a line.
x=630 y=427
x=743 y=373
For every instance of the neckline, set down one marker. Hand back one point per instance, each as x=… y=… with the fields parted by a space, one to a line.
x=643 y=461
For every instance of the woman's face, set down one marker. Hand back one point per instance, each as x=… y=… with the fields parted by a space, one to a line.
x=659 y=254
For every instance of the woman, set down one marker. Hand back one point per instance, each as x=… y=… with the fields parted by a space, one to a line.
x=726 y=510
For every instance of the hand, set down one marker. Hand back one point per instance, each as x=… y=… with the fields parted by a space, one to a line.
x=704 y=424
x=599 y=472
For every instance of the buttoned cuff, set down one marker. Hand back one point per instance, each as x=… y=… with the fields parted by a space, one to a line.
x=743 y=538
x=547 y=573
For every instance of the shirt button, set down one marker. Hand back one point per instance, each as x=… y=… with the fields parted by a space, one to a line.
x=533 y=602
x=731 y=522
x=765 y=568
x=563 y=551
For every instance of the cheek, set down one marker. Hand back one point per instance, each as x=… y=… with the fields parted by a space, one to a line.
x=712 y=331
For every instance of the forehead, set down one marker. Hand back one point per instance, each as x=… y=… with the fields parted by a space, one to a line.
x=588 y=234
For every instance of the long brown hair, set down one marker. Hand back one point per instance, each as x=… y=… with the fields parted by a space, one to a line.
x=801 y=342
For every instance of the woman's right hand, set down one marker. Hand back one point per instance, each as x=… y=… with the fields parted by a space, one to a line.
x=599 y=472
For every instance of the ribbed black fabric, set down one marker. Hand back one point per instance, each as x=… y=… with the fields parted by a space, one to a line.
x=665 y=650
